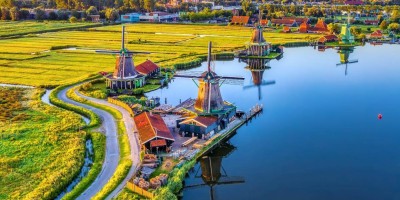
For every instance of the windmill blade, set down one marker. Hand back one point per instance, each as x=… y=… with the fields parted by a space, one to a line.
x=352 y=61
x=137 y=52
x=268 y=82
x=194 y=186
x=246 y=87
x=107 y=52
x=230 y=180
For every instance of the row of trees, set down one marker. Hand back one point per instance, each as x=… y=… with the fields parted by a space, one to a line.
x=205 y=14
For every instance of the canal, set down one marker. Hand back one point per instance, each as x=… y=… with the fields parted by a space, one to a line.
x=318 y=137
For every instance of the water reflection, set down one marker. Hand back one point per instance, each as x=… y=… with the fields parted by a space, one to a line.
x=257 y=68
x=212 y=170
x=344 y=53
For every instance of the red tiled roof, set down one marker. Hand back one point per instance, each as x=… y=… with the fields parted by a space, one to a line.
x=286 y=29
x=264 y=22
x=158 y=143
x=321 y=25
x=206 y=120
x=146 y=67
x=240 y=19
x=299 y=20
x=331 y=37
x=304 y=27
x=283 y=21
x=151 y=126
x=377 y=34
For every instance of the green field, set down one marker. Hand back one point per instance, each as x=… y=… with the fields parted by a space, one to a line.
x=29 y=60
x=40 y=149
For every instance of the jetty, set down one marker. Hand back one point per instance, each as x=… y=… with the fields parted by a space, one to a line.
x=230 y=130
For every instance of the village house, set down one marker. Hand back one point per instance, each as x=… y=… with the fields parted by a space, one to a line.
x=153 y=132
x=320 y=27
x=328 y=38
x=148 y=69
x=285 y=22
x=240 y=20
x=200 y=126
x=371 y=22
x=377 y=34
x=130 y=17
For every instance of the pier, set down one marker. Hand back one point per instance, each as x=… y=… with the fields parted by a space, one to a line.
x=229 y=131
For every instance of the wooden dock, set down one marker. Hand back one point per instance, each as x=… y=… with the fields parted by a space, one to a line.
x=228 y=132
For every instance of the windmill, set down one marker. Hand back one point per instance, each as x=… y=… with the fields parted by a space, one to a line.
x=258 y=46
x=209 y=97
x=212 y=171
x=125 y=75
x=344 y=53
x=257 y=68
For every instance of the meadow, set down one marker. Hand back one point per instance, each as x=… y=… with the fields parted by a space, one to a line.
x=41 y=150
x=30 y=59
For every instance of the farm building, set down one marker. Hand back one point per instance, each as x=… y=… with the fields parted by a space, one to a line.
x=148 y=69
x=159 y=17
x=327 y=38
x=286 y=29
x=200 y=126
x=298 y=20
x=130 y=17
x=153 y=132
x=320 y=27
x=285 y=22
x=376 y=35
x=371 y=22
x=240 y=20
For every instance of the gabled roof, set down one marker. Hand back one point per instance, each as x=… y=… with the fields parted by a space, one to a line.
x=147 y=67
x=204 y=121
x=158 y=143
x=240 y=19
x=284 y=21
x=299 y=20
x=151 y=126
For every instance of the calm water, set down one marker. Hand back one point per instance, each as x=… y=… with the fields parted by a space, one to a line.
x=319 y=136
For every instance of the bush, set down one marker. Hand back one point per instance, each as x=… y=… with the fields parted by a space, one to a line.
x=62 y=15
x=76 y=14
x=138 y=91
x=53 y=16
x=40 y=14
x=73 y=20
x=23 y=14
x=92 y=11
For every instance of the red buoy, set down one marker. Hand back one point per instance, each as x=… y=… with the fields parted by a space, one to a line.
x=379 y=116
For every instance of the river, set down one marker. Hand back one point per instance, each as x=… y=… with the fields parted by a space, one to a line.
x=319 y=136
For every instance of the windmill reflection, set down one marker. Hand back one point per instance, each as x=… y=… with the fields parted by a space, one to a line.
x=344 y=53
x=257 y=68
x=212 y=171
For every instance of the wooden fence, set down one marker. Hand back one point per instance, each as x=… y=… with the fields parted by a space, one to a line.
x=136 y=189
x=122 y=104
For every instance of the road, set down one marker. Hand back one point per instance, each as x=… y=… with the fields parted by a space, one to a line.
x=112 y=147
x=133 y=140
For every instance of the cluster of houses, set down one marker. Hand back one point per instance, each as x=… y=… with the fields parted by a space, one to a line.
x=149 y=17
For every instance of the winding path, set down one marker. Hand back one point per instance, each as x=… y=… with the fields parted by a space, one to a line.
x=112 y=147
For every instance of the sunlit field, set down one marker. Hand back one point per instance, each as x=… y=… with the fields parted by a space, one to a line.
x=40 y=148
x=47 y=59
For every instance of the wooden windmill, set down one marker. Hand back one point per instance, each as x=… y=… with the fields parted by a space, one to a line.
x=125 y=75
x=209 y=97
x=212 y=171
x=257 y=68
x=344 y=53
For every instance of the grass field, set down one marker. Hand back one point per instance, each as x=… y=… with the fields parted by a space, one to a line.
x=10 y=28
x=29 y=60
x=40 y=151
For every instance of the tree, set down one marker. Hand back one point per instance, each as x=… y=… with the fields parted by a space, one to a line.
x=247 y=7
x=394 y=27
x=23 y=14
x=73 y=19
x=383 y=25
x=7 y=3
x=62 y=15
x=334 y=28
x=395 y=15
x=14 y=15
x=149 y=5
x=112 y=14
x=53 y=15
x=355 y=30
x=40 y=14
x=92 y=11
x=5 y=13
